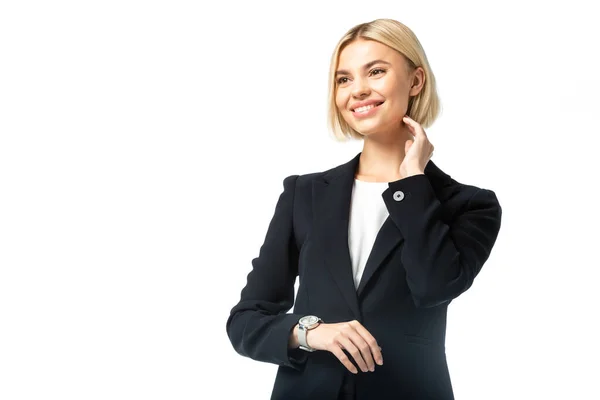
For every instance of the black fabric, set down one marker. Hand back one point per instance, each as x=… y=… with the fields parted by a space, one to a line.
x=428 y=251
x=348 y=390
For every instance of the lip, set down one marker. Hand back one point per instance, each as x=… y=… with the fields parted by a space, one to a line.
x=368 y=113
x=364 y=103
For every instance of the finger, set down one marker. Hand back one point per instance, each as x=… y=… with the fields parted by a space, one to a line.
x=354 y=352
x=365 y=350
x=371 y=341
x=416 y=127
x=362 y=344
x=337 y=351
x=409 y=122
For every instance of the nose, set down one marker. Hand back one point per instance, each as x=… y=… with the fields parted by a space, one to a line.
x=361 y=88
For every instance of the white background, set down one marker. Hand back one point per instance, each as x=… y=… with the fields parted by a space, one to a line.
x=143 y=148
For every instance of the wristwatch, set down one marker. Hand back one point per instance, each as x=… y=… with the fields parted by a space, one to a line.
x=305 y=324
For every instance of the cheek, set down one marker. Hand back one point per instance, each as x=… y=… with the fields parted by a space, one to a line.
x=403 y=93
x=338 y=98
x=341 y=105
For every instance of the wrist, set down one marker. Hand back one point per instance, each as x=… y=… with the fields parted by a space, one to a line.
x=413 y=172
x=293 y=340
x=305 y=324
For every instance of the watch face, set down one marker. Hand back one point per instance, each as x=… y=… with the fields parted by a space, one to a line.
x=309 y=320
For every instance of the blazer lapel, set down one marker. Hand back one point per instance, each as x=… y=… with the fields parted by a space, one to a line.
x=388 y=238
x=332 y=195
x=331 y=205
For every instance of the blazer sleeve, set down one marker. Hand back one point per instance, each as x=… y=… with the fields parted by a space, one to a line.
x=441 y=260
x=258 y=325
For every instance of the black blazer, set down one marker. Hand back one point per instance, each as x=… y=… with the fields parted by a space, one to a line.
x=428 y=251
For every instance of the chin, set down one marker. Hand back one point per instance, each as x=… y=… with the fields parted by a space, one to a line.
x=368 y=131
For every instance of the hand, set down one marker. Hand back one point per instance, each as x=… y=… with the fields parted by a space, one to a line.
x=417 y=152
x=352 y=337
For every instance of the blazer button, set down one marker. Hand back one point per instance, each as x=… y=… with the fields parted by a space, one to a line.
x=398 y=195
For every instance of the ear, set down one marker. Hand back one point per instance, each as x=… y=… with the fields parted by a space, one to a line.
x=417 y=82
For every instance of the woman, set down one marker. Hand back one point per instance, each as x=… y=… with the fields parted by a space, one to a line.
x=381 y=244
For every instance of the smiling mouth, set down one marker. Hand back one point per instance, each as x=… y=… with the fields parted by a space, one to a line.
x=371 y=106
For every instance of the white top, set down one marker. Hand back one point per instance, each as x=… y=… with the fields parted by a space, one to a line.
x=367 y=214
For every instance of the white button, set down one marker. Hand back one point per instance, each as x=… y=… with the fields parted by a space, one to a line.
x=398 y=195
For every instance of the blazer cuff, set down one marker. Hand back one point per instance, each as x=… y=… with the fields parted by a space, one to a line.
x=416 y=192
x=294 y=358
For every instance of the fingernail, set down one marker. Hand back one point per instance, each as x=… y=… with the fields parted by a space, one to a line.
x=379 y=361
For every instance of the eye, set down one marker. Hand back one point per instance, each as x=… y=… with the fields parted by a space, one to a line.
x=340 y=81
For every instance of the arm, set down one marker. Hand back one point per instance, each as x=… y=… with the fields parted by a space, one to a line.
x=258 y=326
x=441 y=260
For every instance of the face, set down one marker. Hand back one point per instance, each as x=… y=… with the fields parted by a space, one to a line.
x=371 y=72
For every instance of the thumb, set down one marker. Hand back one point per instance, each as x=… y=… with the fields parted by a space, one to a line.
x=407 y=145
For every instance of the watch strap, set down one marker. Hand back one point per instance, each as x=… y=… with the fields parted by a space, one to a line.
x=302 y=332
x=302 y=340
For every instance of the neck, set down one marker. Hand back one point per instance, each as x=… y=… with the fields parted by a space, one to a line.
x=382 y=155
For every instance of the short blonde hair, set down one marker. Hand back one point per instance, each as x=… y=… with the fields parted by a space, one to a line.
x=423 y=108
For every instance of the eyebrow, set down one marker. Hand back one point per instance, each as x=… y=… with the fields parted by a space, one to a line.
x=366 y=66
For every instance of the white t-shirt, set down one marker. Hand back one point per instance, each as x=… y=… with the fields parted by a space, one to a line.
x=367 y=214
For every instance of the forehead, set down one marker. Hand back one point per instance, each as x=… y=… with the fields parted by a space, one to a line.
x=362 y=51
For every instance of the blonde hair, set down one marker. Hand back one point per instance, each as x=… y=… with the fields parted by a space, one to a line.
x=423 y=108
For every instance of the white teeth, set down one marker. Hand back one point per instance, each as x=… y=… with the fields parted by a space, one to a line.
x=364 y=109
